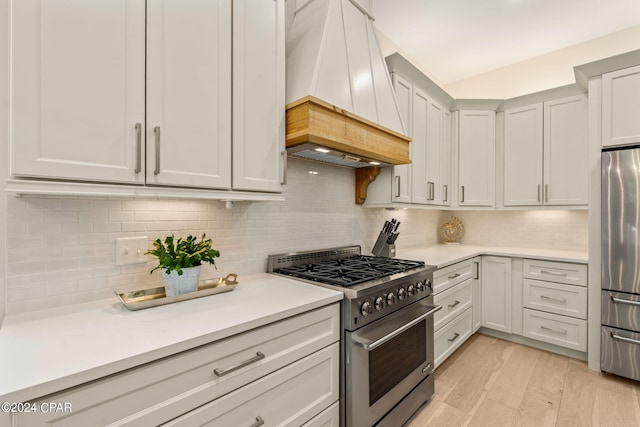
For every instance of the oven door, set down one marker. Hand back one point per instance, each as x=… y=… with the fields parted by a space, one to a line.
x=385 y=360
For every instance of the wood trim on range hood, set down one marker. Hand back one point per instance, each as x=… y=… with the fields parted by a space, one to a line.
x=310 y=119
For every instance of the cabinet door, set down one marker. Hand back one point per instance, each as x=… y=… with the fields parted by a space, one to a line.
x=523 y=156
x=259 y=154
x=476 y=162
x=401 y=184
x=621 y=107
x=77 y=94
x=445 y=160
x=419 y=140
x=566 y=151
x=189 y=93
x=434 y=153
x=496 y=293
x=476 y=295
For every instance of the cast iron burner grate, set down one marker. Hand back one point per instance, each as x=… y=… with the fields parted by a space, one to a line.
x=349 y=271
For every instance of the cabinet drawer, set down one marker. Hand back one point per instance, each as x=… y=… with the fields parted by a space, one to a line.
x=621 y=310
x=559 y=272
x=451 y=336
x=289 y=397
x=453 y=301
x=554 y=329
x=555 y=298
x=154 y=393
x=447 y=277
x=620 y=352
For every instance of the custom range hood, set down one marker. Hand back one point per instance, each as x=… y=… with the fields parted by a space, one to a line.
x=341 y=107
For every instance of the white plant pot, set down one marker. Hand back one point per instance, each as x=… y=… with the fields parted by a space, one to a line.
x=175 y=284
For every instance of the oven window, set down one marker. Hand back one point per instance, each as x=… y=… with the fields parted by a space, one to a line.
x=394 y=360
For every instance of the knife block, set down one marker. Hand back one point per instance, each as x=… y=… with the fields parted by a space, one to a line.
x=382 y=248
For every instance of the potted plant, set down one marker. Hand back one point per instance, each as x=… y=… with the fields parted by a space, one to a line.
x=180 y=261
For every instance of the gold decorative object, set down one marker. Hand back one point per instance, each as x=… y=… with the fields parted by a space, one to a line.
x=452 y=232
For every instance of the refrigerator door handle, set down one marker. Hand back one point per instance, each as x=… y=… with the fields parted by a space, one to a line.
x=625 y=339
x=625 y=301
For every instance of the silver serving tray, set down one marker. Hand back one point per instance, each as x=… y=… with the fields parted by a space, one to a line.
x=153 y=297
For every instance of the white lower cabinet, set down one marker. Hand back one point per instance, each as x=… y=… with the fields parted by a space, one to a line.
x=453 y=288
x=288 y=397
x=555 y=303
x=448 y=338
x=285 y=373
x=564 y=331
x=496 y=293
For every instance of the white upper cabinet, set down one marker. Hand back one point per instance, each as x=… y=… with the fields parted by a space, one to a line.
x=476 y=157
x=426 y=180
x=259 y=154
x=77 y=93
x=566 y=151
x=545 y=153
x=523 y=156
x=401 y=181
x=621 y=107
x=189 y=93
x=420 y=188
x=79 y=100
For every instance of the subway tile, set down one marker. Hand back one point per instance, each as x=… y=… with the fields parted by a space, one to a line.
x=60 y=216
x=76 y=205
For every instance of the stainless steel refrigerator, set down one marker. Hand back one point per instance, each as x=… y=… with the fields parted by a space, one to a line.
x=620 y=343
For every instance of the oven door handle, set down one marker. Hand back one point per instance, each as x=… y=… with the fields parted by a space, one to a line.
x=371 y=345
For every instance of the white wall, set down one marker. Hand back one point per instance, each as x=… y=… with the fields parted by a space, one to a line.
x=540 y=73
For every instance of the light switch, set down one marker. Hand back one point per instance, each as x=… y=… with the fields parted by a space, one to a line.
x=130 y=250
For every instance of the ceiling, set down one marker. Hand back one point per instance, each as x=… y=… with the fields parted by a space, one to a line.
x=459 y=39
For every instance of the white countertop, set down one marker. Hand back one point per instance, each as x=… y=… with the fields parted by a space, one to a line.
x=46 y=351
x=444 y=255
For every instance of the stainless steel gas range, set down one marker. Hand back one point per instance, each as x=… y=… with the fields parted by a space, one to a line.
x=387 y=319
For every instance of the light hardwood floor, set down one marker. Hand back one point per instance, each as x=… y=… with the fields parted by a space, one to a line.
x=492 y=382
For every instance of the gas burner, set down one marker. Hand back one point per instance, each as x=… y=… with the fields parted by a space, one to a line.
x=349 y=271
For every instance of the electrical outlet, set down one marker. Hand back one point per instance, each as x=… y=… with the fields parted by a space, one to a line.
x=130 y=250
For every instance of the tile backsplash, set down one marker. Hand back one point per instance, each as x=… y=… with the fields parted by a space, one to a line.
x=61 y=250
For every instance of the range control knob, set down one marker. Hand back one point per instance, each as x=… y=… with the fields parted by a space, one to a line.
x=420 y=287
x=402 y=293
x=391 y=298
x=379 y=303
x=366 y=308
x=428 y=283
x=411 y=290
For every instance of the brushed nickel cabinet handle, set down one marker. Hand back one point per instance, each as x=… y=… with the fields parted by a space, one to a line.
x=258 y=423
x=156 y=131
x=397 y=185
x=445 y=192
x=546 y=193
x=462 y=194
x=454 y=276
x=222 y=372
x=558 y=331
x=539 y=195
x=456 y=302
x=625 y=301
x=138 y=148
x=553 y=273
x=284 y=167
x=455 y=337
x=559 y=299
